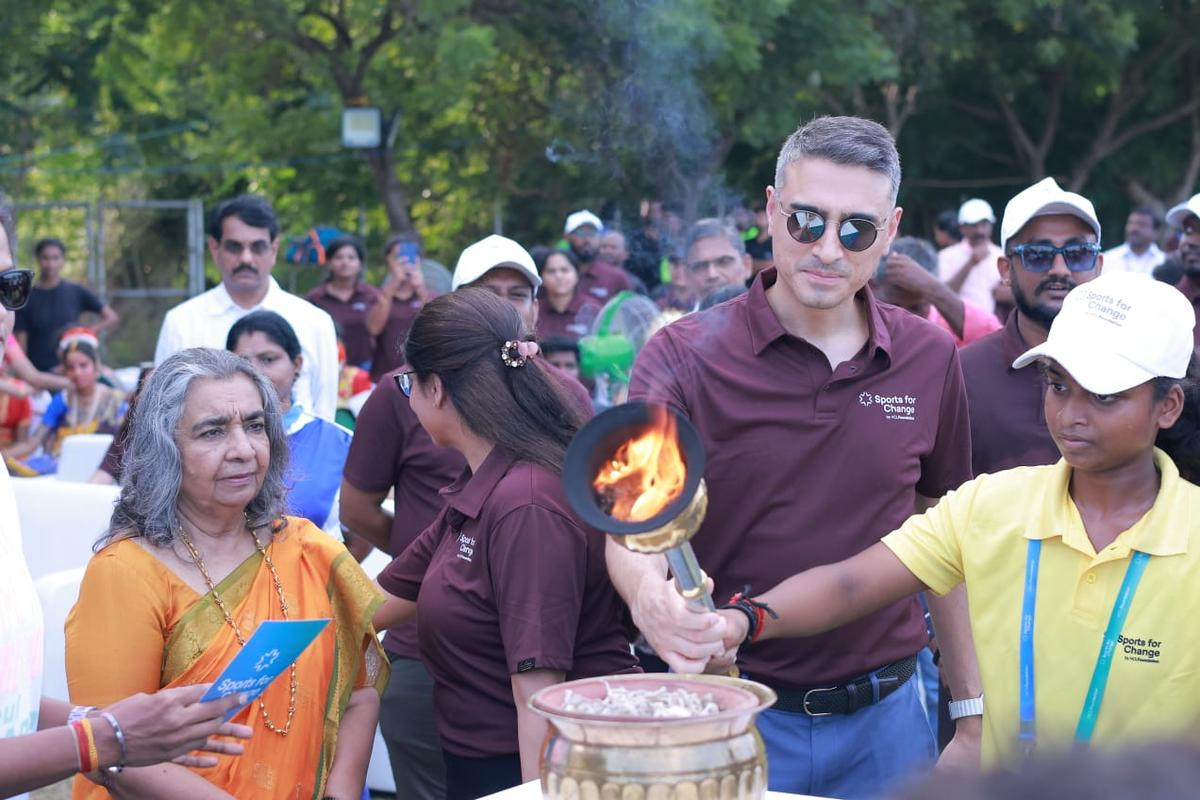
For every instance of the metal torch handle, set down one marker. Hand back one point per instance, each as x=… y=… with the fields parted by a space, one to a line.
x=690 y=580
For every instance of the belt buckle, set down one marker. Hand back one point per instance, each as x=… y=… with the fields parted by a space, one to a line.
x=804 y=702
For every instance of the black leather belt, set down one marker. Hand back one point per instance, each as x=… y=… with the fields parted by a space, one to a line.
x=849 y=697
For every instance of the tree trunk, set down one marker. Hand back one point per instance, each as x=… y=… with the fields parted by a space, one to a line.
x=383 y=170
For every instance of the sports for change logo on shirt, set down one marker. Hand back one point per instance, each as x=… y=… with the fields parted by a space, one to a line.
x=893 y=406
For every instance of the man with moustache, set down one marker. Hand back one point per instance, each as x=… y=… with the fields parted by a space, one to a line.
x=862 y=410
x=1186 y=217
x=243 y=239
x=1051 y=243
x=969 y=267
x=598 y=279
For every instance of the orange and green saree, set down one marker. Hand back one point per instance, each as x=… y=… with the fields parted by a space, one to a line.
x=136 y=623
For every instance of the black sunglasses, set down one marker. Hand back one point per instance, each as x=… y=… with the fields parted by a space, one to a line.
x=1078 y=256
x=15 y=285
x=404 y=381
x=855 y=234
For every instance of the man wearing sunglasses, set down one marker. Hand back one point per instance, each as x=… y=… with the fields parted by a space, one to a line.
x=828 y=418
x=243 y=239
x=1051 y=243
x=1186 y=217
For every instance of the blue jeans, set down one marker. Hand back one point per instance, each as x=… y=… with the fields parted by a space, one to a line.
x=927 y=674
x=850 y=756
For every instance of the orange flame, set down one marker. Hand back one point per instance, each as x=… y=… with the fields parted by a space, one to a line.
x=646 y=473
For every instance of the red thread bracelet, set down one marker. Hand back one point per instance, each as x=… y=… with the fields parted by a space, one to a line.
x=85 y=759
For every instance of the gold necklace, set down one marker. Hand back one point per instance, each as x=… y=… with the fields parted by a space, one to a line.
x=199 y=562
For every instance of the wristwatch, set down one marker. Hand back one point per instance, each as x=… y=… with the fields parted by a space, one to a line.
x=966 y=708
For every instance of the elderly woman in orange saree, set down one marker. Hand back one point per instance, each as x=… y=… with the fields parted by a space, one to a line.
x=197 y=555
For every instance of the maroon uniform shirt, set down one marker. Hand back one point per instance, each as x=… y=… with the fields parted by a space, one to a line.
x=1008 y=420
x=808 y=465
x=602 y=281
x=506 y=581
x=389 y=346
x=574 y=322
x=390 y=450
x=351 y=316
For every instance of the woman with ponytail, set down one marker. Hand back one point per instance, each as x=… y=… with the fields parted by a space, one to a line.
x=508 y=588
x=1083 y=576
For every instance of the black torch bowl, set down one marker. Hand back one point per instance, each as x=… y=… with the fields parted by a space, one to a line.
x=595 y=445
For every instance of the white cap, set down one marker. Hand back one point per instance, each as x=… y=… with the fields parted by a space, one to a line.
x=1042 y=199
x=1179 y=213
x=975 y=210
x=490 y=253
x=1118 y=331
x=580 y=218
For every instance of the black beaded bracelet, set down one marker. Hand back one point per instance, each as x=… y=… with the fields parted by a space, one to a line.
x=754 y=610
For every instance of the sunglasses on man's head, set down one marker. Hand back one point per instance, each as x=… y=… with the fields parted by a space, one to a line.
x=404 y=381
x=855 y=234
x=15 y=285
x=1078 y=256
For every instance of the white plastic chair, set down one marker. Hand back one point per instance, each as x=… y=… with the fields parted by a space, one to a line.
x=57 y=592
x=81 y=456
x=60 y=521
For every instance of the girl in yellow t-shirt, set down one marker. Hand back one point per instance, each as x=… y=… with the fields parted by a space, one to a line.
x=1083 y=576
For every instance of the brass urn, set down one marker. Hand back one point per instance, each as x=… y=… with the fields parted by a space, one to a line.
x=714 y=757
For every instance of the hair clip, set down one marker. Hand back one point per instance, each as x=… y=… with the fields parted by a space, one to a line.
x=510 y=354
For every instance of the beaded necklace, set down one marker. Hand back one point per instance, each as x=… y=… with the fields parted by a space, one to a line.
x=199 y=562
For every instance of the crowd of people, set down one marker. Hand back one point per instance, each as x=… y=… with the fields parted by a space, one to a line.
x=952 y=427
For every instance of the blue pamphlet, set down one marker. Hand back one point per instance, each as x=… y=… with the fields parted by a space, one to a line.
x=270 y=651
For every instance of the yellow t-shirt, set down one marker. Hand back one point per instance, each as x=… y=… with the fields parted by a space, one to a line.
x=979 y=534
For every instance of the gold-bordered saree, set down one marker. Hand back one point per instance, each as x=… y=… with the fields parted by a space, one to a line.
x=320 y=579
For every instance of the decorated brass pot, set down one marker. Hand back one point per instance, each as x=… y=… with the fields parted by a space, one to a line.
x=715 y=757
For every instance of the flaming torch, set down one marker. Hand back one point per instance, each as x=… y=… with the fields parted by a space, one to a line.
x=636 y=471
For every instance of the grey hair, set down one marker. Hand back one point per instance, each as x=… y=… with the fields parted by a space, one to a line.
x=708 y=228
x=153 y=470
x=918 y=249
x=848 y=141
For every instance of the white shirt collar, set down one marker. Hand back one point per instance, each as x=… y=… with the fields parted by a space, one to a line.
x=222 y=303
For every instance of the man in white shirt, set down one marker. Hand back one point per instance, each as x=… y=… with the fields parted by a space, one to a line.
x=1138 y=253
x=243 y=240
x=969 y=267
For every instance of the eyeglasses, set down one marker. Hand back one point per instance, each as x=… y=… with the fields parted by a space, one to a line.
x=1078 y=256
x=15 y=285
x=258 y=248
x=720 y=263
x=404 y=381
x=855 y=234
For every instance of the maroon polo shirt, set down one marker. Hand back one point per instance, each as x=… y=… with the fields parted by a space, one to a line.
x=351 y=315
x=1192 y=292
x=389 y=346
x=390 y=450
x=808 y=465
x=1008 y=420
x=602 y=281
x=574 y=322
x=506 y=581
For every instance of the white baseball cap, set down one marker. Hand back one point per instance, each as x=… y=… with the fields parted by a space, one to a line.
x=975 y=210
x=1179 y=213
x=488 y=254
x=1042 y=199
x=578 y=219
x=1119 y=331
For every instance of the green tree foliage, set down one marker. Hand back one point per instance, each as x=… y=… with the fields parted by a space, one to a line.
x=515 y=111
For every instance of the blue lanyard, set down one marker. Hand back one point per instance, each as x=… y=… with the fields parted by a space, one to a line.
x=1108 y=646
